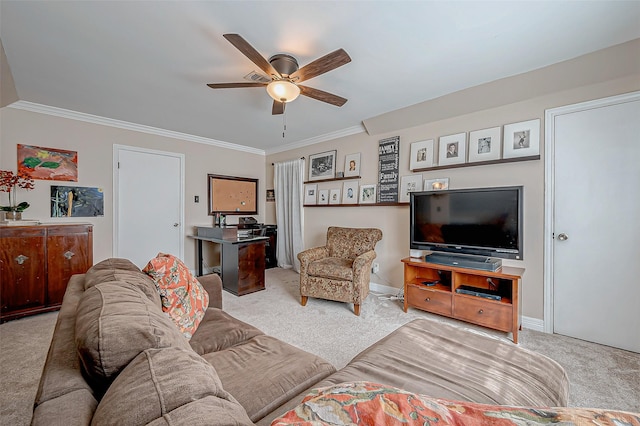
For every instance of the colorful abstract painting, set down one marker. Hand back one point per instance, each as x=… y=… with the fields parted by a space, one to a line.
x=48 y=163
x=76 y=201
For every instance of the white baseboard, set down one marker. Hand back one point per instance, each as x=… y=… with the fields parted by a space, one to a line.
x=527 y=322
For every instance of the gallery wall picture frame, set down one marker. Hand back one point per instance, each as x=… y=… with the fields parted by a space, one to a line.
x=334 y=196
x=271 y=195
x=311 y=194
x=452 y=149
x=350 y=193
x=322 y=165
x=368 y=194
x=485 y=145
x=521 y=139
x=323 y=196
x=421 y=155
x=409 y=184
x=439 y=184
x=352 y=165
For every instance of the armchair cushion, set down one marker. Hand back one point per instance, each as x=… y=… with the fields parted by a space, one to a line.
x=332 y=267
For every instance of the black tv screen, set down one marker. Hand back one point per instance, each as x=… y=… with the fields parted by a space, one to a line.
x=479 y=221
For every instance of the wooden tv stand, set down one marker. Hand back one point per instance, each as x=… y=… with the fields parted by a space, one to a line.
x=442 y=298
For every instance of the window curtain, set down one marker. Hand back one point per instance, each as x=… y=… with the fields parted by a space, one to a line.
x=288 y=183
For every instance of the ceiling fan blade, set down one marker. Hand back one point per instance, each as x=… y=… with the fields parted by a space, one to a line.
x=243 y=46
x=232 y=85
x=278 y=108
x=321 y=65
x=321 y=95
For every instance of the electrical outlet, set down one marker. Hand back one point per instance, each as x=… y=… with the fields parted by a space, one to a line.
x=375 y=268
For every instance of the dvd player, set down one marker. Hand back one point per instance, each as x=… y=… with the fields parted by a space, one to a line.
x=479 y=292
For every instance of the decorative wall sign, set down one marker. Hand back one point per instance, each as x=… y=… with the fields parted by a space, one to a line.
x=322 y=166
x=76 y=201
x=352 y=165
x=48 y=163
x=409 y=184
x=388 y=169
x=485 y=145
x=521 y=139
x=452 y=149
x=421 y=155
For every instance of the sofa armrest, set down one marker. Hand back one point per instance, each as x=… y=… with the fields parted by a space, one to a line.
x=213 y=286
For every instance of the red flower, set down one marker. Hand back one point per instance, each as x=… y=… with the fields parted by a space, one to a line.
x=9 y=182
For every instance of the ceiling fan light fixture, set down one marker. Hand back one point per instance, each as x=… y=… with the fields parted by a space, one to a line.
x=283 y=90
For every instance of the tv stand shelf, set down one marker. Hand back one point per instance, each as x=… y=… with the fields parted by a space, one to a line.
x=442 y=299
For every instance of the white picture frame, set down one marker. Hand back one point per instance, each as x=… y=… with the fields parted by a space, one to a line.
x=368 y=194
x=521 y=139
x=485 y=145
x=409 y=184
x=452 y=149
x=323 y=196
x=350 y=192
x=310 y=194
x=322 y=166
x=334 y=196
x=352 y=165
x=421 y=155
x=439 y=184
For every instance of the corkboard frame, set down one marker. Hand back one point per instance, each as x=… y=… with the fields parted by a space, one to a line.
x=232 y=195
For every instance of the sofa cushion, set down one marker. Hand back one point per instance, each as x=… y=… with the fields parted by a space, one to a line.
x=332 y=267
x=219 y=330
x=159 y=381
x=265 y=372
x=115 y=269
x=183 y=298
x=115 y=321
x=375 y=404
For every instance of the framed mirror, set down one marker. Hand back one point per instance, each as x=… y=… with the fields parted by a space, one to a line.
x=232 y=195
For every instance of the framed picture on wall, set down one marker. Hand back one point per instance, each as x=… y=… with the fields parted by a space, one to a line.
x=334 y=196
x=322 y=166
x=311 y=194
x=436 y=184
x=350 y=192
x=485 y=145
x=409 y=184
x=521 y=139
x=452 y=149
x=352 y=165
x=323 y=196
x=421 y=155
x=368 y=194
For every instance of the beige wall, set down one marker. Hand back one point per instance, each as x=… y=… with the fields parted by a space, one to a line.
x=94 y=144
x=394 y=221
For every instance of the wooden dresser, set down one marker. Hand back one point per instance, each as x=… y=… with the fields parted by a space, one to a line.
x=36 y=263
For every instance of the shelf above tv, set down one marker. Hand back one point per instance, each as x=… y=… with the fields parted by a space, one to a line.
x=358 y=205
x=479 y=163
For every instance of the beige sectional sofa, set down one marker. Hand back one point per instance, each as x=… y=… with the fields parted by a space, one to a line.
x=116 y=358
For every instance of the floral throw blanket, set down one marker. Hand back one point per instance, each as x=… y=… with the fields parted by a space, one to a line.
x=365 y=403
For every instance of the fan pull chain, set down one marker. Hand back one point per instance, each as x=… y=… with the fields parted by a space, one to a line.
x=284 y=118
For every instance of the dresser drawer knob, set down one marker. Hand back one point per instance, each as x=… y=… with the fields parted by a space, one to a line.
x=428 y=299
x=20 y=259
x=68 y=254
x=480 y=311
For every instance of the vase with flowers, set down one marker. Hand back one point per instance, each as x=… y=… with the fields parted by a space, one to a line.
x=9 y=183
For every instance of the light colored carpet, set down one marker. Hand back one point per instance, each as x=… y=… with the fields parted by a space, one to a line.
x=600 y=376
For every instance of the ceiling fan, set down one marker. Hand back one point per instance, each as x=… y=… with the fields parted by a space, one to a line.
x=285 y=75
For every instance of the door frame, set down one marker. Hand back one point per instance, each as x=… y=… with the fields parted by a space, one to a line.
x=116 y=191
x=549 y=192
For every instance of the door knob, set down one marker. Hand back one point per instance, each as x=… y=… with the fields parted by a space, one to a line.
x=563 y=237
x=175 y=225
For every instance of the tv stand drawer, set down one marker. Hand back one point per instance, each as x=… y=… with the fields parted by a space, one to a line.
x=483 y=312
x=437 y=302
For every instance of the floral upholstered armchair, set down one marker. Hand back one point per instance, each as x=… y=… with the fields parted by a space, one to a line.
x=340 y=270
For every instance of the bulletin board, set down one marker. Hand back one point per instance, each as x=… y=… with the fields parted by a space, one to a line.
x=232 y=195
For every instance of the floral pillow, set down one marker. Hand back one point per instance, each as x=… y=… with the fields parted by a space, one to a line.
x=365 y=403
x=183 y=297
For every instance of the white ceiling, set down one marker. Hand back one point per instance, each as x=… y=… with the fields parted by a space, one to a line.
x=148 y=62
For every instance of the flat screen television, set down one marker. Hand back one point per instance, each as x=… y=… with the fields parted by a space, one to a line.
x=479 y=221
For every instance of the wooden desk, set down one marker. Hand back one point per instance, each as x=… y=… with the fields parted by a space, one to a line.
x=242 y=263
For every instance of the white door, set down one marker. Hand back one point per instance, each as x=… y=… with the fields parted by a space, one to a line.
x=594 y=155
x=148 y=203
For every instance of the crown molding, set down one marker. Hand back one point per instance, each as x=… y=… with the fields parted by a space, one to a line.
x=95 y=119
x=317 y=139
